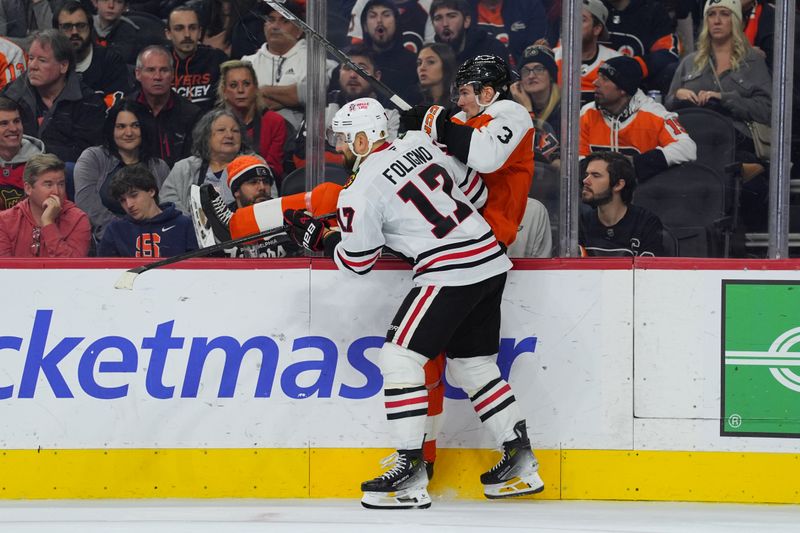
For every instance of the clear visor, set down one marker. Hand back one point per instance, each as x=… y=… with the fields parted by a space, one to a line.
x=471 y=88
x=335 y=138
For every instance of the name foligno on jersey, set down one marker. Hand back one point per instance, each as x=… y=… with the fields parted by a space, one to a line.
x=399 y=168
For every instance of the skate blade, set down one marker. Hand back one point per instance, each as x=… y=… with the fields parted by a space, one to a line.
x=394 y=500
x=514 y=487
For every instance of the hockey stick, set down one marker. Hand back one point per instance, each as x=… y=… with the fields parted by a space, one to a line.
x=129 y=276
x=377 y=84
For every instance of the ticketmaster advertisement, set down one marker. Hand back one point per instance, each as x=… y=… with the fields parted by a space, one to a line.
x=286 y=358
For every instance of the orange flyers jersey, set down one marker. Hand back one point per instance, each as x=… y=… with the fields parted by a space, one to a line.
x=13 y=62
x=643 y=126
x=268 y=215
x=588 y=70
x=501 y=150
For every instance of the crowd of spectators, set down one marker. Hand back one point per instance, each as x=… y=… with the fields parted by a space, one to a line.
x=177 y=89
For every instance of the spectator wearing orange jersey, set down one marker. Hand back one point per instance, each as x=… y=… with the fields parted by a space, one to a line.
x=759 y=27
x=593 y=28
x=13 y=62
x=622 y=119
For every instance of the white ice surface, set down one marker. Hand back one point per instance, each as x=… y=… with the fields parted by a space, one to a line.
x=339 y=516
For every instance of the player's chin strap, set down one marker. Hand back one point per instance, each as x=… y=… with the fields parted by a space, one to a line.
x=481 y=106
x=359 y=157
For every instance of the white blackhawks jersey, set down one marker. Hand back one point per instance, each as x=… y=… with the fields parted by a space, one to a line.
x=404 y=197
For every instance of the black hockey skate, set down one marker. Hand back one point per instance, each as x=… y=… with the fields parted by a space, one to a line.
x=404 y=486
x=517 y=472
x=217 y=213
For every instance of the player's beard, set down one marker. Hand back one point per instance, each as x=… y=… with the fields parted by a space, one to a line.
x=349 y=160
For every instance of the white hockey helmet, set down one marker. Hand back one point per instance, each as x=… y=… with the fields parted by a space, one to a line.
x=361 y=115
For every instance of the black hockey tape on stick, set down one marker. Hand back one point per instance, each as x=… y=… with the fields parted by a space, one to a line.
x=377 y=84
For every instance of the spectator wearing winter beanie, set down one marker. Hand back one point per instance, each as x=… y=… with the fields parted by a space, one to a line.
x=623 y=119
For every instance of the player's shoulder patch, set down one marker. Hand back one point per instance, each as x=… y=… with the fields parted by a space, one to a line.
x=349 y=180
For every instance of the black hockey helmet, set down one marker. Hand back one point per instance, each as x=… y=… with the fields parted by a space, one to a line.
x=484 y=70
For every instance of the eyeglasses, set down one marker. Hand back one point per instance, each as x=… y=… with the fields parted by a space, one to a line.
x=68 y=26
x=35 y=245
x=538 y=70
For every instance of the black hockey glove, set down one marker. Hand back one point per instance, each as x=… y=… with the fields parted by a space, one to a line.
x=411 y=119
x=431 y=120
x=304 y=229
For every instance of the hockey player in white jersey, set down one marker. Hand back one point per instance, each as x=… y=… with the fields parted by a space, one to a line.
x=403 y=197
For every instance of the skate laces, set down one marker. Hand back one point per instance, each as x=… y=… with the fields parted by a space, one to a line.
x=503 y=460
x=221 y=210
x=396 y=462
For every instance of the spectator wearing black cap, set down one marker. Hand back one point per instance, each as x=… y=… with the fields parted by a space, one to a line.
x=379 y=23
x=452 y=24
x=623 y=119
x=593 y=29
x=538 y=92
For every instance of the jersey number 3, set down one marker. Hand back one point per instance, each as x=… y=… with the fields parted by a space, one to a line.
x=434 y=176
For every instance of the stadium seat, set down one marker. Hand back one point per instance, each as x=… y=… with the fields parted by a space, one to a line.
x=713 y=134
x=671 y=246
x=690 y=200
x=151 y=27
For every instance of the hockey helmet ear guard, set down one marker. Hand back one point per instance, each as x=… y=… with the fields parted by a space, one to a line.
x=365 y=115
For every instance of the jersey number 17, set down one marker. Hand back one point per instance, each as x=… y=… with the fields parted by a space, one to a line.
x=434 y=176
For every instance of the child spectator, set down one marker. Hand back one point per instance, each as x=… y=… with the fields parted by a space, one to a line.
x=149 y=229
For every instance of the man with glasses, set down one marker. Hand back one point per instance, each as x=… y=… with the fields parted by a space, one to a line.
x=452 y=23
x=45 y=224
x=593 y=54
x=102 y=69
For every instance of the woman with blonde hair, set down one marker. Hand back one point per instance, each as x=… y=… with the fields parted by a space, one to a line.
x=725 y=73
x=238 y=92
